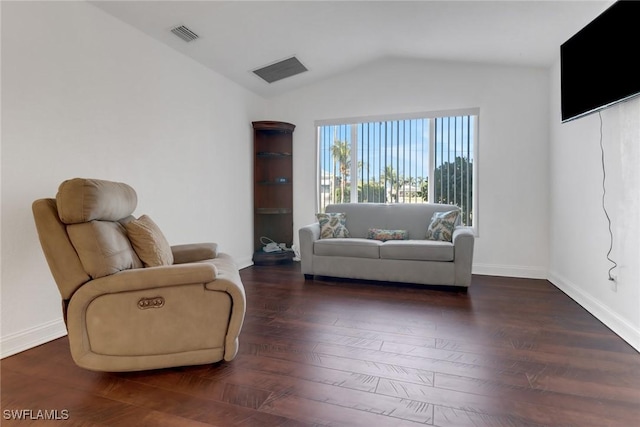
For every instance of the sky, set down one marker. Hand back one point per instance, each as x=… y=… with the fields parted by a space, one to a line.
x=378 y=145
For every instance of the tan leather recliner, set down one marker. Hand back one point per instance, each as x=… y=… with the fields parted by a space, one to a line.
x=177 y=306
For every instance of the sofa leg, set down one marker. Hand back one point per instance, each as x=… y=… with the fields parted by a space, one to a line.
x=308 y=277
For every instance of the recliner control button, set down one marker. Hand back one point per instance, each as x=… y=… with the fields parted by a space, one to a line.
x=155 y=302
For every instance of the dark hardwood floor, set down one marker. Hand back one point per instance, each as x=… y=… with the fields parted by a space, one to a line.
x=510 y=352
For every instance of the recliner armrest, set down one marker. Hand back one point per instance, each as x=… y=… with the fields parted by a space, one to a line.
x=193 y=252
x=148 y=278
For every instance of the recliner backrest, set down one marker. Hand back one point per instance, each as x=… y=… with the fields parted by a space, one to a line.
x=81 y=234
x=61 y=256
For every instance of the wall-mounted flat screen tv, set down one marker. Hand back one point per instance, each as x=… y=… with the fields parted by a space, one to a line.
x=600 y=65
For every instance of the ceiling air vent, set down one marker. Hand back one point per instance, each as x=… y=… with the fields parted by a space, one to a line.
x=184 y=33
x=280 y=70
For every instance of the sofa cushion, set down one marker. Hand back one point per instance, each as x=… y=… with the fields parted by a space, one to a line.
x=352 y=247
x=421 y=250
x=147 y=239
x=332 y=225
x=442 y=225
x=103 y=247
x=384 y=235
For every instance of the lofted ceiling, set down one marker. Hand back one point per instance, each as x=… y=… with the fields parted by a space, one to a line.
x=333 y=37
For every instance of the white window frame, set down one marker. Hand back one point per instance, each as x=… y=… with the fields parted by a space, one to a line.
x=391 y=117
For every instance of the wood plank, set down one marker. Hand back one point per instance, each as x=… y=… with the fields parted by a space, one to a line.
x=510 y=352
x=619 y=412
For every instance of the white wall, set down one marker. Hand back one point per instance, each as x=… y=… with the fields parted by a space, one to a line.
x=84 y=95
x=579 y=228
x=513 y=146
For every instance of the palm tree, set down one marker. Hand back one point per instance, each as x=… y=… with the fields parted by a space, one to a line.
x=390 y=176
x=341 y=152
x=423 y=185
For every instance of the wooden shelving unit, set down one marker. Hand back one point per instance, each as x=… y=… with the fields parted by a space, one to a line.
x=272 y=188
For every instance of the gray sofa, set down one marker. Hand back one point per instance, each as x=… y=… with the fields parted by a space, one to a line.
x=415 y=260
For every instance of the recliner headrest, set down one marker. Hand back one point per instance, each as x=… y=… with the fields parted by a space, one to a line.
x=83 y=200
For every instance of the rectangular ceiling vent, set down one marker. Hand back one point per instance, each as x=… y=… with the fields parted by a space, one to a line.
x=184 y=33
x=281 y=70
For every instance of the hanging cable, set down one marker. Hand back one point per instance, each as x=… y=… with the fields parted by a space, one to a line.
x=604 y=208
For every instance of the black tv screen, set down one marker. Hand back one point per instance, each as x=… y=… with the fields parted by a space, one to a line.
x=600 y=65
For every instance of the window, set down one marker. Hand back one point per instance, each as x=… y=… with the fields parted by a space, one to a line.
x=419 y=159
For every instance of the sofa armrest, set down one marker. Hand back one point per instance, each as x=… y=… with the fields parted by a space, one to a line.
x=307 y=235
x=463 y=241
x=193 y=252
x=461 y=234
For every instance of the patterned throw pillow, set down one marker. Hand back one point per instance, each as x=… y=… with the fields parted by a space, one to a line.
x=384 y=235
x=332 y=225
x=442 y=225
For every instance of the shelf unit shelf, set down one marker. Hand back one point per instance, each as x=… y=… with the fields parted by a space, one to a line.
x=273 y=211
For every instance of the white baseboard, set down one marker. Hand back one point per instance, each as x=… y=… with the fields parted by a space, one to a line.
x=618 y=325
x=32 y=337
x=525 y=272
